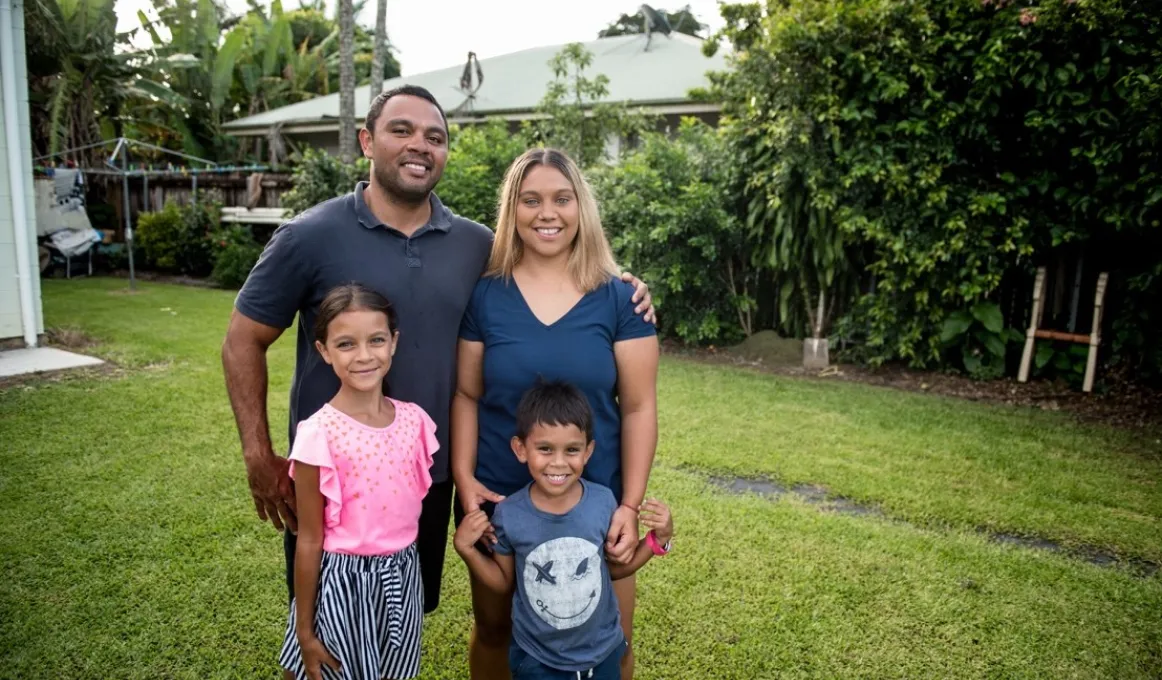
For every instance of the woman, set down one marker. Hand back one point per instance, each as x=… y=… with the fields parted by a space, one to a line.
x=551 y=305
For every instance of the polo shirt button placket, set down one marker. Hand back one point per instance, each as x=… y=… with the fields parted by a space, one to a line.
x=413 y=256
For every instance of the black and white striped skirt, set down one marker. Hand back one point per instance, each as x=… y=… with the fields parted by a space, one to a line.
x=369 y=615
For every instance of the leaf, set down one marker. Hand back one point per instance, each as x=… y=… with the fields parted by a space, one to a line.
x=972 y=361
x=989 y=314
x=955 y=325
x=224 y=67
x=992 y=342
x=1044 y=353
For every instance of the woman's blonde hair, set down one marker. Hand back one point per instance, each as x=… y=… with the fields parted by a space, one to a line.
x=591 y=262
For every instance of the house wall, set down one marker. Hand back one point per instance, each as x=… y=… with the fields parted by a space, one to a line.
x=10 y=319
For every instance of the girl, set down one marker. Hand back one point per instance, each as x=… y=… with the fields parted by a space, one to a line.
x=360 y=466
x=551 y=306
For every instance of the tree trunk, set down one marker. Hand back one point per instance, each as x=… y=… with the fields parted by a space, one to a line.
x=346 y=81
x=379 y=50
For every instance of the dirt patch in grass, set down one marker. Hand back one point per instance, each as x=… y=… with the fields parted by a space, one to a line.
x=69 y=338
x=821 y=498
x=1116 y=402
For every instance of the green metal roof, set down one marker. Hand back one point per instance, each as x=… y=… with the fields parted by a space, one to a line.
x=514 y=83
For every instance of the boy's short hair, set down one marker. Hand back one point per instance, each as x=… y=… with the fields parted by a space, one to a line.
x=554 y=403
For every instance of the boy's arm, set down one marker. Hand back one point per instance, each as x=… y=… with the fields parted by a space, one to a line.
x=494 y=571
x=656 y=516
x=641 y=555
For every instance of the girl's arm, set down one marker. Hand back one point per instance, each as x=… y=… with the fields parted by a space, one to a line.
x=309 y=548
x=465 y=430
x=495 y=571
x=637 y=395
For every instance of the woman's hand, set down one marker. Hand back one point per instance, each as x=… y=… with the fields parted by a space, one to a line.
x=473 y=494
x=314 y=656
x=622 y=540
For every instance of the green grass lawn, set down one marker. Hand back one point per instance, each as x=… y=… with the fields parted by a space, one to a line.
x=131 y=549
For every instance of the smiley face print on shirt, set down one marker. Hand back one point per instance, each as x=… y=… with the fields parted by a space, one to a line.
x=562 y=580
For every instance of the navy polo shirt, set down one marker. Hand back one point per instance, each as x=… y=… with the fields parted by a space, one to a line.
x=428 y=277
x=577 y=348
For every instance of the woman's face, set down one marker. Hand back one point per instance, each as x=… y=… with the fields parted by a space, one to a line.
x=547 y=213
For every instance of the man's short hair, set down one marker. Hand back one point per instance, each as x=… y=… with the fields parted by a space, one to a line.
x=554 y=403
x=409 y=90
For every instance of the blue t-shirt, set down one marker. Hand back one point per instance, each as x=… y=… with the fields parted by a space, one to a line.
x=564 y=612
x=577 y=348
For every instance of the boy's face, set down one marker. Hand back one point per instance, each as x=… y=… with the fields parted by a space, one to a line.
x=555 y=454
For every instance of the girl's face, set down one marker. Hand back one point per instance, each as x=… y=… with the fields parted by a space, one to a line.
x=359 y=348
x=547 y=213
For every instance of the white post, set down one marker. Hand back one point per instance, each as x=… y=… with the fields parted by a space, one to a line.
x=16 y=178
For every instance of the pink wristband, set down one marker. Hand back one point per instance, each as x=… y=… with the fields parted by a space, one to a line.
x=652 y=541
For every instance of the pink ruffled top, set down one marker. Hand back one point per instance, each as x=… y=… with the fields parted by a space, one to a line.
x=373 y=479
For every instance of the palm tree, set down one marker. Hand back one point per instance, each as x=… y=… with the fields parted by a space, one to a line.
x=346 y=81
x=379 y=40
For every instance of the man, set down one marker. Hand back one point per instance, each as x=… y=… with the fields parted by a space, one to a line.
x=394 y=235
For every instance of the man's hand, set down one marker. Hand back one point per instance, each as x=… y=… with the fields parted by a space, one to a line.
x=472 y=528
x=314 y=656
x=272 y=489
x=641 y=294
x=622 y=540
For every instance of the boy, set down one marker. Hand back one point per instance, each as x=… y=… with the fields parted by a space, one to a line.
x=549 y=538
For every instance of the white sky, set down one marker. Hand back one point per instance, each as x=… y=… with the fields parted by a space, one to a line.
x=432 y=34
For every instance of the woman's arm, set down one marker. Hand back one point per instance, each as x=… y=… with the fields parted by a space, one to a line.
x=637 y=396
x=465 y=429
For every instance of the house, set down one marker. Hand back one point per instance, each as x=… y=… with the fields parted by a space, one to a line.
x=655 y=72
x=21 y=321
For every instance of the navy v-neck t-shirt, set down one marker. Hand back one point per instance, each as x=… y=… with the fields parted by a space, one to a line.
x=519 y=349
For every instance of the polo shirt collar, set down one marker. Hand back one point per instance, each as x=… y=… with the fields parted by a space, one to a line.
x=441 y=219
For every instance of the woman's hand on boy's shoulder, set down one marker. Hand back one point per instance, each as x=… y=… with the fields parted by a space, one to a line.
x=622 y=540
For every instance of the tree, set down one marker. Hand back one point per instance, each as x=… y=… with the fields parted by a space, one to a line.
x=577 y=120
x=682 y=21
x=346 y=81
x=379 y=42
x=79 y=81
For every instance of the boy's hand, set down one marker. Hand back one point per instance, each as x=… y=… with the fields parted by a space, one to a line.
x=474 y=525
x=314 y=656
x=656 y=516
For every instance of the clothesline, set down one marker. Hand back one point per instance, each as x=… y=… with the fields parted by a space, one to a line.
x=152 y=171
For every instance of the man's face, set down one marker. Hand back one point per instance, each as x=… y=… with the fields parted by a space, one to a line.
x=408 y=148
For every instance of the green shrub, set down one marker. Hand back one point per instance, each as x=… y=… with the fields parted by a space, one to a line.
x=477 y=159
x=952 y=143
x=235 y=252
x=665 y=208
x=977 y=340
x=176 y=239
x=320 y=177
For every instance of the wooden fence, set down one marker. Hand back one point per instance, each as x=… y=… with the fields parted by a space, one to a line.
x=106 y=203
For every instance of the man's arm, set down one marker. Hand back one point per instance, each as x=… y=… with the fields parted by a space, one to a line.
x=244 y=365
